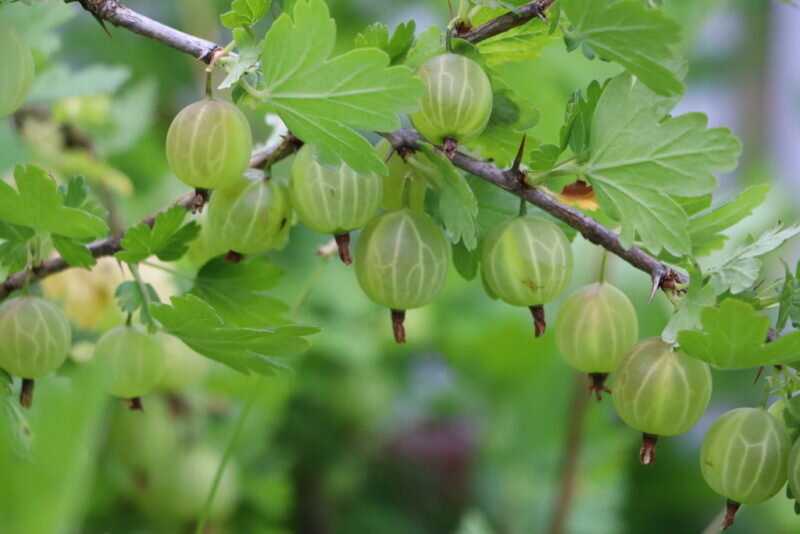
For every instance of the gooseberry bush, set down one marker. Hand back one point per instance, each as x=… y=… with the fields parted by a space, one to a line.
x=420 y=147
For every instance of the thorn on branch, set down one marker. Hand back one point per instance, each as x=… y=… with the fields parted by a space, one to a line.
x=26 y=393
x=516 y=167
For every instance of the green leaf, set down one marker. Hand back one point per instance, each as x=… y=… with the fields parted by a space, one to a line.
x=14 y=246
x=737 y=270
x=523 y=43
x=639 y=159
x=323 y=100
x=132 y=296
x=458 y=207
x=513 y=115
x=249 y=53
x=789 y=303
x=734 y=337
x=168 y=238
x=37 y=204
x=429 y=43
x=245 y=13
x=642 y=40
x=687 y=316
x=466 y=261
x=14 y=426
x=238 y=291
x=247 y=350
x=78 y=195
x=577 y=129
x=74 y=252
x=397 y=46
x=706 y=229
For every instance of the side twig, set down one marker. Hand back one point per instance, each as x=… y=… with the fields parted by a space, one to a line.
x=512 y=19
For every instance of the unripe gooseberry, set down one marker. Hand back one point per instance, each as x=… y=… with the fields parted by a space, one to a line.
x=132 y=360
x=526 y=261
x=333 y=199
x=660 y=392
x=16 y=70
x=457 y=102
x=794 y=470
x=251 y=217
x=35 y=338
x=401 y=262
x=209 y=144
x=744 y=457
x=596 y=328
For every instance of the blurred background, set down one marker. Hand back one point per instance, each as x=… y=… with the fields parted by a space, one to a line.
x=474 y=427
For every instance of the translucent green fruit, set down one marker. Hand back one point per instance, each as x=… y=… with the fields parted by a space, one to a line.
x=745 y=456
x=209 y=144
x=35 y=337
x=332 y=199
x=251 y=217
x=596 y=328
x=132 y=360
x=402 y=260
x=16 y=71
x=458 y=100
x=526 y=261
x=660 y=392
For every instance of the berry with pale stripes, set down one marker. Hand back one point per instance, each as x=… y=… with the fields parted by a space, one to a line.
x=401 y=262
x=36 y=337
x=251 y=217
x=209 y=144
x=745 y=457
x=660 y=391
x=132 y=361
x=333 y=199
x=458 y=99
x=16 y=71
x=526 y=261
x=596 y=328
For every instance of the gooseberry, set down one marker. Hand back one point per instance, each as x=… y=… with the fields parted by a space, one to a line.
x=660 y=392
x=333 y=199
x=744 y=457
x=457 y=102
x=132 y=360
x=526 y=261
x=596 y=328
x=251 y=217
x=209 y=144
x=401 y=262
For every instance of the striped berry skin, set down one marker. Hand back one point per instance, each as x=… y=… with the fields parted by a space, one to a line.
x=209 y=144
x=457 y=102
x=596 y=328
x=402 y=258
x=745 y=455
x=16 y=71
x=35 y=337
x=659 y=391
x=132 y=360
x=526 y=261
x=251 y=217
x=332 y=199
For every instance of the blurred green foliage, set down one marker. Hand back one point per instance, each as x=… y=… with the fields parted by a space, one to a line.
x=461 y=431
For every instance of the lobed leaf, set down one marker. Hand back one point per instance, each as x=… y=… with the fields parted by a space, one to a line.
x=168 y=238
x=322 y=99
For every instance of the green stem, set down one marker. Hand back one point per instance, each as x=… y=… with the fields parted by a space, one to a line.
x=252 y=91
x=237 y=431
x=416 y=190
x=134 y=268
x=603 y=266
